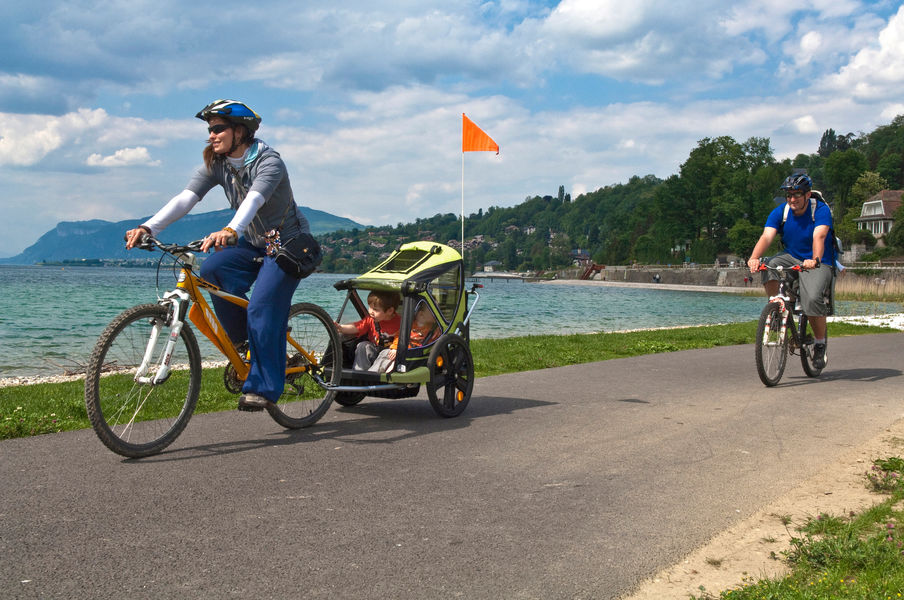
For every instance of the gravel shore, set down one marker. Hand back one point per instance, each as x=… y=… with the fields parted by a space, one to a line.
x=33 y=379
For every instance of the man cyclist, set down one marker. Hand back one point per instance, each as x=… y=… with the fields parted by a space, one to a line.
x=805 y=236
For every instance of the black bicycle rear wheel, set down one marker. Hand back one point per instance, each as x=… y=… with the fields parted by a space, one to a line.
x=806 y=348
x=771 y=345
x=134 y=411
x=304 y=400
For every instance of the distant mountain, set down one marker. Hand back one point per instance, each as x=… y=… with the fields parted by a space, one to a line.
x=103 y=239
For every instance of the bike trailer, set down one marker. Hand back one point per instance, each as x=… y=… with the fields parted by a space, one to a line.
x=430 y=280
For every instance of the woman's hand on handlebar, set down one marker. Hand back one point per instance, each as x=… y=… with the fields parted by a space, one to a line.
x=134 y=236
x=219 y=240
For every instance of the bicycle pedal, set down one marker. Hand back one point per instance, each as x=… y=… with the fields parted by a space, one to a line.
x=246 y=408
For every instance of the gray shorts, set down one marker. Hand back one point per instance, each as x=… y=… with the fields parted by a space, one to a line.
x=817 y=286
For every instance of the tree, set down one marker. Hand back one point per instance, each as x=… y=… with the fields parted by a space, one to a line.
x=828 y=143
x=895 y=237
x=842 y=170
x=889 y=167
x=742 y=237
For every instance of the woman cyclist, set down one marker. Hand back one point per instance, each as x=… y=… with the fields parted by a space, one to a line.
x=256 y=183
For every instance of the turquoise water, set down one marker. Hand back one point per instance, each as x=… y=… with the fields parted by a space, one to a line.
x=51 y=316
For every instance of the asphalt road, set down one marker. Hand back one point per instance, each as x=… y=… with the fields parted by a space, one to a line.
x=575 y=482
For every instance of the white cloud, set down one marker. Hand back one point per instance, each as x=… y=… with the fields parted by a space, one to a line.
x=810 y=46
x=598 y=19
x=877 y=70
x=27 y=139
x=776 y=18
x=805 y=125
x=123 y=157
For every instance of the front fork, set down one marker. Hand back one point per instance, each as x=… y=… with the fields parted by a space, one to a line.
x=178 y=301
x=782 y=303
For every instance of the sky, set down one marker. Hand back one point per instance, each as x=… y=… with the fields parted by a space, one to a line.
x=364 y=101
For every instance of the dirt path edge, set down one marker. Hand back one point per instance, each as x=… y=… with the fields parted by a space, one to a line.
x=746 y=552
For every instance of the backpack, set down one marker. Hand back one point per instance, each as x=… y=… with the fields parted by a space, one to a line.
x=816 y=197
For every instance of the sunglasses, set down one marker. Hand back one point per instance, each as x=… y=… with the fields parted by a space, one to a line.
x=795 y=194
x=218 y=128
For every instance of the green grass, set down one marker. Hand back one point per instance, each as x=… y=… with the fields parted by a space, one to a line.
x=853 y=556
x=52 y=407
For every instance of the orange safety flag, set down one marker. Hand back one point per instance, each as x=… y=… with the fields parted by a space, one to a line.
x=473 y=138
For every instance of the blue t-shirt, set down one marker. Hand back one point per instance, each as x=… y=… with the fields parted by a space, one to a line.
x=798 y=231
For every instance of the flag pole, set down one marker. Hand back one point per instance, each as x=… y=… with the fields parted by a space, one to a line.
x=462 y=206
x=473 y=139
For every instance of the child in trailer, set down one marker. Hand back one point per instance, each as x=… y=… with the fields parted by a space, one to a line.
x=424 y=330
x=381 y=327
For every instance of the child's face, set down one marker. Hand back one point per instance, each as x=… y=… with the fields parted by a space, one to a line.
x=423 y=318
x=378 y=313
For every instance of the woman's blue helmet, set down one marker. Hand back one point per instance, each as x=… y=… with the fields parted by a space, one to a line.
x=233 y=111
x=798 y=183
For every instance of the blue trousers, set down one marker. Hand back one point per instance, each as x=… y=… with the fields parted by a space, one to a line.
x=233 y=270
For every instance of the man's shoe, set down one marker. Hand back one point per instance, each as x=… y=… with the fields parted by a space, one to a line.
x=819 y=356
x=252 y=402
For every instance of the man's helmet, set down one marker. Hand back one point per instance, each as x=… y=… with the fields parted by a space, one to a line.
x=233 y=111
x=797 y=183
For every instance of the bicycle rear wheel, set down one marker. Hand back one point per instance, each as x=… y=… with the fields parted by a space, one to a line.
x=304 y=399
x=806 y=348
x=771 y=345
x=132 y=416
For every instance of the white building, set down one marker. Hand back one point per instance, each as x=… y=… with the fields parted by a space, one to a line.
x=878 y=213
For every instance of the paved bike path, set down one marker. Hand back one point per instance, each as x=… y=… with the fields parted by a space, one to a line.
x=575 y=482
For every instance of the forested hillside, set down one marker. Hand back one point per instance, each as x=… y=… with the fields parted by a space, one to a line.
x=715 y=205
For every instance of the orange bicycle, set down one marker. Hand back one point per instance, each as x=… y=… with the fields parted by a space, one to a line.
x=144 y=375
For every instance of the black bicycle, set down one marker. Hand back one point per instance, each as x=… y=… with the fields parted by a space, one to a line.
x=777 y=333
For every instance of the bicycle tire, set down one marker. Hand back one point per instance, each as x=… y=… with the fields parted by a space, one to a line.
x=806 y=348
x=349 y=398
x=771 y=345
x=304 y=401
x=451 y=376
x=131 y=418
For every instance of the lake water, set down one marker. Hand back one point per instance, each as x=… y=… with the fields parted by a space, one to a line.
x=51 y=316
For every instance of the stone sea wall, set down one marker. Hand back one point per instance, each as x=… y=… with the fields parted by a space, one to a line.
x=887 y=280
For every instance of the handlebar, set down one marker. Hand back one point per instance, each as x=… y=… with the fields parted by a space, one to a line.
x=780 y=268
x=150 y=243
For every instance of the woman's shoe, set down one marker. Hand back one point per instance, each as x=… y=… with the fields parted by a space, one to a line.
x=252 y=402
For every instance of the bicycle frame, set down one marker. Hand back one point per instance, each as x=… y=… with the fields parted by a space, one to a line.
x=787 y=296
x=188 y=293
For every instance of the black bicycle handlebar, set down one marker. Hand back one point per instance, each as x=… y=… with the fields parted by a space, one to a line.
x=150 y=243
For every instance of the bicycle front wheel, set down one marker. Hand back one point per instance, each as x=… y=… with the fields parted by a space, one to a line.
x=133 y=413
x=313 y=343
x=806 y=348
x=771 y=345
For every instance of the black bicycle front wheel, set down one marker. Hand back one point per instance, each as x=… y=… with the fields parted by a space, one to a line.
x=806 y=348
x=313 y=343
x=138 y=402
x=771 y=344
